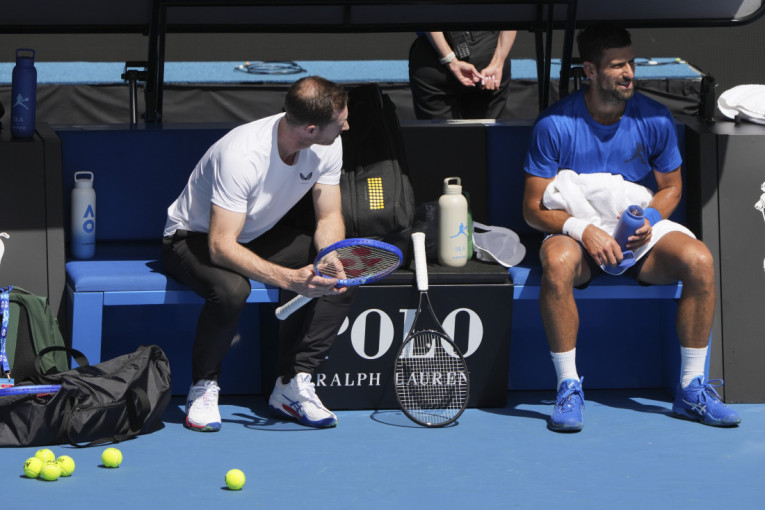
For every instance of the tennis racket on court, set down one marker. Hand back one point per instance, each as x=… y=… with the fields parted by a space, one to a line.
x=353 y=262
x=38 y=389
x=430 y=374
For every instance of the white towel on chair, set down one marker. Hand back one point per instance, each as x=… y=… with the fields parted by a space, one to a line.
x=599 y=198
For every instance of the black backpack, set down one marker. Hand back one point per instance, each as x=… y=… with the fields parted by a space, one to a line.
x=31 y=327
x=378 y=199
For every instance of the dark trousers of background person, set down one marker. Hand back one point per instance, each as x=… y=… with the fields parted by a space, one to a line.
x=437 y=94
x=304 y=337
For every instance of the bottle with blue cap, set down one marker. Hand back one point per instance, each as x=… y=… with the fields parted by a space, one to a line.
x=631 y=219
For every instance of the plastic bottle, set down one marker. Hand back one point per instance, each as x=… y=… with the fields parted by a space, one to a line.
x=83 y=230
x=23 y=95
x=452 y=225
x=631 y=219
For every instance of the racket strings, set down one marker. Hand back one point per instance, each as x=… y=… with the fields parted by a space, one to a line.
x=431 y=379
x=357 y=263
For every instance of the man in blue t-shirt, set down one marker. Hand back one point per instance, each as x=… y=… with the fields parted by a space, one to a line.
x=608 y=128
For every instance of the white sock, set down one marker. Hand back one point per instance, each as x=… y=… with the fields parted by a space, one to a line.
x=565 y=365
x=692 y=364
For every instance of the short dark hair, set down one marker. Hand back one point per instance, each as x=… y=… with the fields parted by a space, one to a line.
x=314 y=100
x=594 y=40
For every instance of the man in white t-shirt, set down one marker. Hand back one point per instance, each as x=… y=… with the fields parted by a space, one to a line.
x=223 y=230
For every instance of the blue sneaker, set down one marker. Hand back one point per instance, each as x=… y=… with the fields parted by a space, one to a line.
x=701 y=402
x=567 y=415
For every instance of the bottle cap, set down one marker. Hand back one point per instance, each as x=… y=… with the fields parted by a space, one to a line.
x=453 y=185
x=83 y=182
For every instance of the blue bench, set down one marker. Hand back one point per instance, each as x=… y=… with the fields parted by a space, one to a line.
x=94 y=284
x=605 y=305
x=139 y=171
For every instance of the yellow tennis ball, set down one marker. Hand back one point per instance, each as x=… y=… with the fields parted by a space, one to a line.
x=65 y=464
x=50 y=472
x=32 y=467
x=235 y=479
x=111 y=457
x=44 y=454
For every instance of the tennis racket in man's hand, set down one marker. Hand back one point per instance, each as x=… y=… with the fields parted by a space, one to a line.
x=353 y=262
x=430 y=374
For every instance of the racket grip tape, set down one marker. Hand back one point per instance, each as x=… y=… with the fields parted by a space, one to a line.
x=291 y=306
x=420 y=260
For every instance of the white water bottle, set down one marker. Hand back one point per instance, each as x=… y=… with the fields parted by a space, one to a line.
x=453 y=235
x=83 y=216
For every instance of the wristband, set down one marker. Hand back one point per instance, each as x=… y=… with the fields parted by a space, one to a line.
x=652 y=215
x=574 y=228
x=447 y=59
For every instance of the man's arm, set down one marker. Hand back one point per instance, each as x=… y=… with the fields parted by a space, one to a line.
x=535 y=213
x=598 y=243
x=225 y=251
x=330 y=226
x=669 y=190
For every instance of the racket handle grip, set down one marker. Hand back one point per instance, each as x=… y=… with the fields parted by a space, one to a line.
x=291 y=306
x=420 y=261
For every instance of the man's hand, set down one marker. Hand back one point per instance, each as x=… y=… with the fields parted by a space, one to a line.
x=641 y=236
x=601 y=246
x=307 y=284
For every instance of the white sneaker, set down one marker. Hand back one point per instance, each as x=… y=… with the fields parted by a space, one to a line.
x=202 y=406
x=298 y=401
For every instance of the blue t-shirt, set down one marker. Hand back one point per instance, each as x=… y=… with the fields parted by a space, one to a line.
x=565 y=136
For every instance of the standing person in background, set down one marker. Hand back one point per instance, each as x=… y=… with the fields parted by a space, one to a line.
x=460 y=75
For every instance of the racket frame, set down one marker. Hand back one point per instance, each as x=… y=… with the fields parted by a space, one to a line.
x=288 y=308
x=436 y=331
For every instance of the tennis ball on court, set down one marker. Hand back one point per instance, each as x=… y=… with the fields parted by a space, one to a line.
x=235 y=479
x=111 y=457
x=44 y=454
x=65 y=464
x=32 y=467
x=50 y=472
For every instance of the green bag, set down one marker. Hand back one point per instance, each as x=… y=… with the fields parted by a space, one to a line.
x=31 y=327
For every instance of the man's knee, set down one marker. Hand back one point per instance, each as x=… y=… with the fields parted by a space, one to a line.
x=697 y=263
x=561 y=257
x=230 y=293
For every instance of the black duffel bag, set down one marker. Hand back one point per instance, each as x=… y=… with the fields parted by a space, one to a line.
x=97 y=404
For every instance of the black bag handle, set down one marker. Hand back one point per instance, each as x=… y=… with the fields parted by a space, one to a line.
x=79 y=357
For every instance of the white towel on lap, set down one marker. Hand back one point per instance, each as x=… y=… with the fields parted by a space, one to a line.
x=599 y=199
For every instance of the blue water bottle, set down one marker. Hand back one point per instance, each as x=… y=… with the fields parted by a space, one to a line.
x=23 y=94
x=83 y=216
x=631 y=219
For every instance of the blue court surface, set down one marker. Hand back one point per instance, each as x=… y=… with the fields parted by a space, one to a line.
x=631 y=454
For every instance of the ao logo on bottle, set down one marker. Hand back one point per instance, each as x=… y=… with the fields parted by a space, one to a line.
x=388 y=336
x=89 y=220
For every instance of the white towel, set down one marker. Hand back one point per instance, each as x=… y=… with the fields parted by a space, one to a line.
x=599 y=198
x=2 y=246
x=748 y=101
